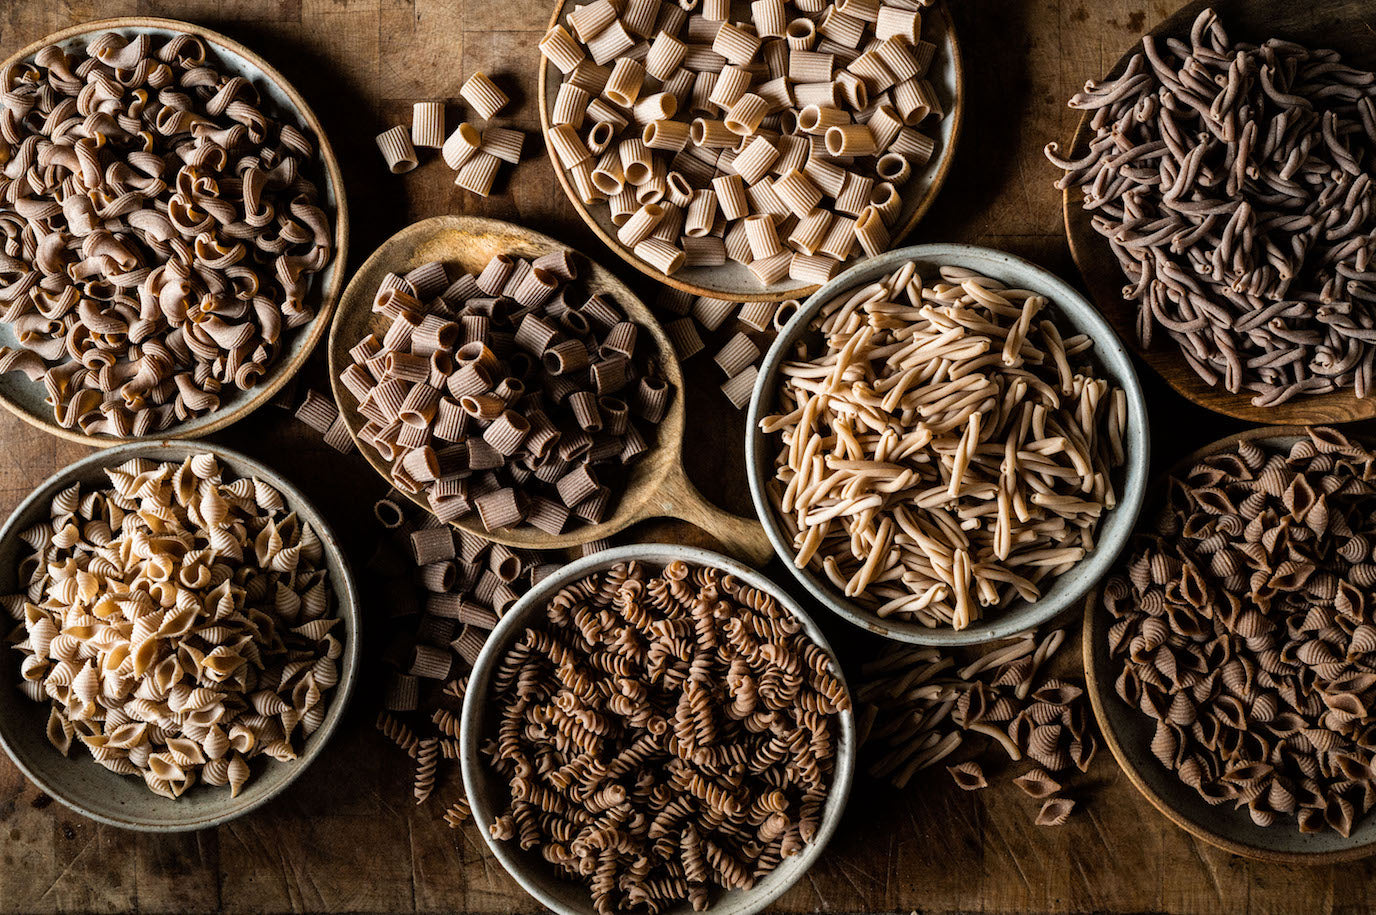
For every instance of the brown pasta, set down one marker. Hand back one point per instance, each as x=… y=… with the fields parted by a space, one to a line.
x=686 y=735
x=173 y=279
x=1241 y=626
x=517 y=365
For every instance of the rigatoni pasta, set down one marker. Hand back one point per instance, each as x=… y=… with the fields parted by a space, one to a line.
x=759 y=111
x=179 y=623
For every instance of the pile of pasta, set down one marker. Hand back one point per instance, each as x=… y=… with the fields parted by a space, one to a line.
x=667 y=733
x=942 y=449
x=178 y=622
x=508 y=395
x=711 y=138
x=159 y=233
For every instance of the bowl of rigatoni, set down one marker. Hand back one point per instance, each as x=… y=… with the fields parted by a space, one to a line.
x=947 y=445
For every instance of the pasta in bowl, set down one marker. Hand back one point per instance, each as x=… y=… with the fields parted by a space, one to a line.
x=948 y=445
x=174 y=230
x=185 y=635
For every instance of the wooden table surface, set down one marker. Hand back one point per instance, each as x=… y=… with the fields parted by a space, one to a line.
x=348 y=835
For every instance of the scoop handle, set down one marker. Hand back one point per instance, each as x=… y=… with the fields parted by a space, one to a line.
x=677 y=497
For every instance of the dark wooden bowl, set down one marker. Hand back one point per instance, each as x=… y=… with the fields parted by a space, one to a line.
x=1345 y=25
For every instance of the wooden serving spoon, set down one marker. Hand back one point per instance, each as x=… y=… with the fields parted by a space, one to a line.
x=1345 y=25
x=656 y=486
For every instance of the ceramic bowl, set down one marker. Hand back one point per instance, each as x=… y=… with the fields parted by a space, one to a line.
x=1114 y=364
x=732 y=280
x=117 y=800
x=27 y=399
x=1128 y=732
x=487 y=793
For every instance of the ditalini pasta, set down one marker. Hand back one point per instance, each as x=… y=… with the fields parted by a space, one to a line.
x=507 y=396
x=667 y=734
x=179 y=623
x=943 y=450
x=162 y=227
x=783 y=116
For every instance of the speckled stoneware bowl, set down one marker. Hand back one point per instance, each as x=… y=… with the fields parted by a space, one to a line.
x=1113 y=362
x=1128 y=732
x=27 y=399
x=117 y=800
x=487 y=793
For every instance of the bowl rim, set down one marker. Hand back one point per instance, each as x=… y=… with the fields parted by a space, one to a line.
x=532 y=602
x=287 y=365
x=939 y=176
x=1108 y=350
x=345 y=591
x=1101 y=693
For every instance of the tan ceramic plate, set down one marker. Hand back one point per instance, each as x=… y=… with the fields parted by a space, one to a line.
x=735 y=282
x=656 y=486
x=117 y=800
x=27 y=399
x=1344 y=24
x=1128 y=732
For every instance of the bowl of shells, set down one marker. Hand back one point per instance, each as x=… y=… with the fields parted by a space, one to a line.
x=640 y=748
x=947 y=445
x=1230 y=653
x=197 y=268
x=183 y=638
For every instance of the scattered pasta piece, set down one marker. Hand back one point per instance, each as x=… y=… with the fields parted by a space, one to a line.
x=397 y=151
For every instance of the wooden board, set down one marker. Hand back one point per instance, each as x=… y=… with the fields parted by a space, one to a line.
x=348 y=836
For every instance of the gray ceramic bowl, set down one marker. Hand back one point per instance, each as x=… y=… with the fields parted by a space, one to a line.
x=1113 y=361
x=27 y=399
x=77 y=781
x=487 y=794
x=1128 y=731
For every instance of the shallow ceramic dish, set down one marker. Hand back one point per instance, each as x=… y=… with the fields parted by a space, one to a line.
x=656 y=486
x=1341 y=24
x=26 y=399
x=734 y=281
x=1128 y=732
x=117 y=800
x=486 y=794
x=1112 y=359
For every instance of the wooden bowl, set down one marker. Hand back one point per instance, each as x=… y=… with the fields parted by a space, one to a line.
x=487 y=795
x=118 y=800
x=733 y=281
x=656 y=485
x=1341 y=24
x=1066 y=590
x=27 y=399
x=1128 y=732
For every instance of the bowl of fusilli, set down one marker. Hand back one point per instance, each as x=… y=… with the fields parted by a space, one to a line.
x=657 y=728
x=184 y=635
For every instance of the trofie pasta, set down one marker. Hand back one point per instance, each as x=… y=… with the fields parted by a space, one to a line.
x=943 y=451
x=161 y=231
x=666 y=733
x=508 y=396
x=1242 y=628
x=179 y=623
x=1233 y=184
x=777 y=125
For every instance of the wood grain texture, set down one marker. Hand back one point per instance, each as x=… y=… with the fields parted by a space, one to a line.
x=1343 y=24
x=348 y=835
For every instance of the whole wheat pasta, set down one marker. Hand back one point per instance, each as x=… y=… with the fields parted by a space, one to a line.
x=1027 y=468
x=608 y=176
x=812 y=269
x=870 y=231
x=561 y=49
x=701 y=215
x=757 y=316
x=624 y=85
x=750 y=101
x=164 y=231
x=483 y=95
x=504 y=143
x=252 y=604
x=739 y=387
x=663 y=256
x=478 y=173
x=671 y=721
x=568 y=146
x=893 y=168
x=599 y=139
x=591 y=19
x=461 y=145
x=570 y=106
x=427 y=124
x=770 y=270
x=395 y=146
x=811 y=231
x=683 y=334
